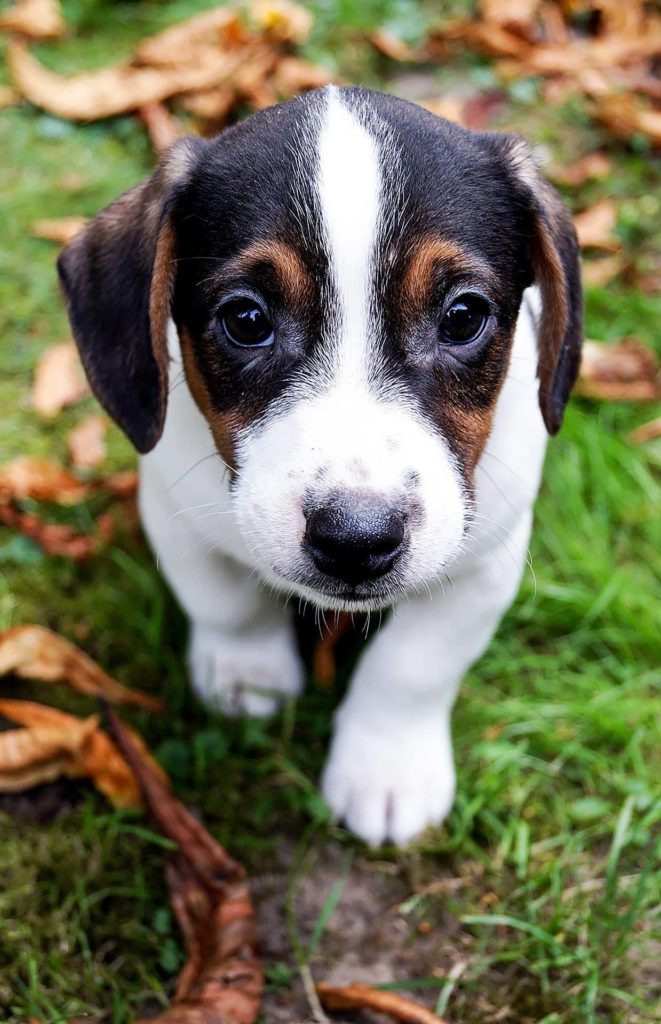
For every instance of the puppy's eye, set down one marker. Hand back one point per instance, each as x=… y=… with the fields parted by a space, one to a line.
x=465 y=320
x=245 y=323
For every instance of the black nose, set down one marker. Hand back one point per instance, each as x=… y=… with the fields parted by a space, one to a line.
x=355 y=537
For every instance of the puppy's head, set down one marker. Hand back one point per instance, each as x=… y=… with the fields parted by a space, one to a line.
x=345 y=272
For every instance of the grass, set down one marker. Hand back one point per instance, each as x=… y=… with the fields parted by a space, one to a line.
x=540 y=891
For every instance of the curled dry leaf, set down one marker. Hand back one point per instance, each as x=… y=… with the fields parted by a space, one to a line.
x=38 y=19
x=30 y=476
x=358 y=996
x=591 y=167
x=58 y=229
x=626 y=117
x=34 y=652
x=54 y=538
x=293 y=75
x=197 y=38
x=93 y=95
x=162 y=127
x=54 y=744
x=8 y=97
x=646 y=432
x=86 y=443
x=595 y=226
x=449 y=107
x=623 y=372
x=517 y=13
x=390 y=45
x=222 y=979
x=59 y=379
x=283 y=21
x=601 y=271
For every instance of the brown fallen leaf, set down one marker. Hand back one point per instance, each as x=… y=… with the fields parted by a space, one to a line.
x=8 y=97
x=390 y=45
x=198 y=37
x=293 y=75
x=323 y=657
x=54 y=743
x=222 y=980
x=595 y=226
x=605 y=269
x=59 y=379
x=93 y=95
x=622 y=372
x=358 y=996
x=38 y=19
x=35 y=652
x=519 y=14
x=283 y=21
x=625 y=117
x=646 y=432
x=449 y=107
x=86 y=443
x=162 y=127
x=32 y=477
x=58 y=229
x=54 y=538
x=591 y=167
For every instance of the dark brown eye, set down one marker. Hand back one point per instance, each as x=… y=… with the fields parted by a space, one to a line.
x=465 y=320
x=246 y=324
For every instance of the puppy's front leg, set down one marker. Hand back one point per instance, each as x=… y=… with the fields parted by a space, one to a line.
x=390 y=771
x=242 y=653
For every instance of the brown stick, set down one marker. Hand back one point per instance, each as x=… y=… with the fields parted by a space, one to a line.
x=358 y=996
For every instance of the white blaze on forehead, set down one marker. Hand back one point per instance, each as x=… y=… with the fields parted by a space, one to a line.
x=349 y=187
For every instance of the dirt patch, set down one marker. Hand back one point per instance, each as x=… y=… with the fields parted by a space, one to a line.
x=371 y=936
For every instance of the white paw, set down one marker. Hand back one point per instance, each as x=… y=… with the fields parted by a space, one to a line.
x=249 y=674
x=390 y=786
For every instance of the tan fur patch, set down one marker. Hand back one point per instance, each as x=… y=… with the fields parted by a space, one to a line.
x=427 y=255
x=292 y=275
x=223 y=425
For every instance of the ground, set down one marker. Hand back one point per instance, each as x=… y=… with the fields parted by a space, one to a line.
x=535 y=901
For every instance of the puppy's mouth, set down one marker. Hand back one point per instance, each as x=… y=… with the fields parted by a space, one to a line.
x=338 y=595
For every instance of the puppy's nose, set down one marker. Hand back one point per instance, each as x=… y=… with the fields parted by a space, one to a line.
x=355 y=537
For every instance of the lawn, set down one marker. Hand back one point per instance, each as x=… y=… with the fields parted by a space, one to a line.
x=536 y=900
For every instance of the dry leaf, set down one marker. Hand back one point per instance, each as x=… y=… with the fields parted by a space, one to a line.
x=600 y=272
x=518 y=13
x=625 y=117
x=86 y=443
x=595 y=226
x=623 y=372
x=162 y=127
x=59 y=379
x=646 y=432
x=54 y=538
x=38 y=19
x=8 y=97
x=34 y=652
x=285 y=22
x=358 y=996
x=591 y=167
x=449 y=107
x=293 y=75
x=323 y=658
x=222 y=979
x=31 y=477
x=54 y=744
x=201 y=36
x=390 y=45
x=93 y=95
x=58 y=229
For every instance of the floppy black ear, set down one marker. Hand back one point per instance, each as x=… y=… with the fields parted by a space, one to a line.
x=117 y=277
x=555 y=261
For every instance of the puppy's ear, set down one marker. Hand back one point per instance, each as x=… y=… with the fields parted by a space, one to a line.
x=117 y=277
x=555 y=261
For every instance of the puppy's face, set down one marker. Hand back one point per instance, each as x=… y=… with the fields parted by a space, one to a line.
x=345 y=272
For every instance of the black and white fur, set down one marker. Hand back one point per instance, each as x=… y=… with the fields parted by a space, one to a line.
x=379 y=214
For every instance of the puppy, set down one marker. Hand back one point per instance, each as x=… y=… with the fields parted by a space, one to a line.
x=339 y=334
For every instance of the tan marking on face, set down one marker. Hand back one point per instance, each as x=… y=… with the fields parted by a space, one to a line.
x=293 y=278
x=428 y=255
x=470 y=432
x=224 y=426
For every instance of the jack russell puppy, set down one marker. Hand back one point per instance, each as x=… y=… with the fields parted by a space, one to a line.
x=339 y=334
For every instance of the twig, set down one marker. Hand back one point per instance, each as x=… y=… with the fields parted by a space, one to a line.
x=358 y=996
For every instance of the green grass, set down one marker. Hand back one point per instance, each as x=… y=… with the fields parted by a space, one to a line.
x=550 y=848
